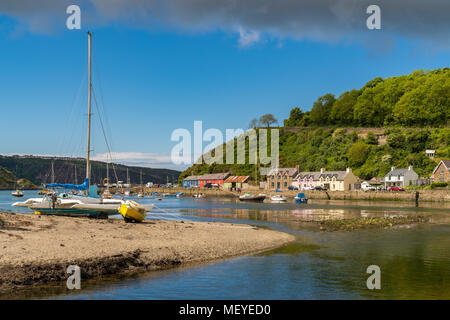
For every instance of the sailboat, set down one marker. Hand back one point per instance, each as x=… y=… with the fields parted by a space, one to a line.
x=127 y=191
x=88 y=204
x=141 y=193
x=107 y=194
x=16 y=193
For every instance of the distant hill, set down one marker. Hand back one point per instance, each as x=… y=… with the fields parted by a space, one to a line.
x=7 y=179
x=38 y=171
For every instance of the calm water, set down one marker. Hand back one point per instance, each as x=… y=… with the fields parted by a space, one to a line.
x=414 y=261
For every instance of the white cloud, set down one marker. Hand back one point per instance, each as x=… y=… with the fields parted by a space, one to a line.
x=247 y=38
x=140 y=159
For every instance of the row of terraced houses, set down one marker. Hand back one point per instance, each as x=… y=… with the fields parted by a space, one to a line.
x=344 y=180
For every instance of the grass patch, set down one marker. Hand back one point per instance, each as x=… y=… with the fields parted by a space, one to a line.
x=292 y=248
x=369 y=223
x=262 y=227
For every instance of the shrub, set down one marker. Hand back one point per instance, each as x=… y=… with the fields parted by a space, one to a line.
x=439 y=185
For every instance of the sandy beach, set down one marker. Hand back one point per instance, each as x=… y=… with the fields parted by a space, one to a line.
x=38 y=249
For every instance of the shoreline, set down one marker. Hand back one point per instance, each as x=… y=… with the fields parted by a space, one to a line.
x=36 y=250
x=410 y=196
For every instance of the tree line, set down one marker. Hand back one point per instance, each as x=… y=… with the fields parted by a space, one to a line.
x=419 y=99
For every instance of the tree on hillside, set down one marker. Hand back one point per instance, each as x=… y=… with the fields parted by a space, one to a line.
x=320 y=112
x=295 y=117
x=253 y=124
x=342 y=110
x=357 y=154
x=373 y=83
x=267 y=120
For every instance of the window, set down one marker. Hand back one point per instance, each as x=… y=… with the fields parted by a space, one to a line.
x=285 y=184
x=273 y=184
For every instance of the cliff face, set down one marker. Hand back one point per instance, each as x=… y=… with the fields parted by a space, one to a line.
x=37 y=170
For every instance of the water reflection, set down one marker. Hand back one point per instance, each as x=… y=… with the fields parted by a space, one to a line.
x=414 y=261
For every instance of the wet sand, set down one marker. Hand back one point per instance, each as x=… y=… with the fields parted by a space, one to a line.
x=36 y=250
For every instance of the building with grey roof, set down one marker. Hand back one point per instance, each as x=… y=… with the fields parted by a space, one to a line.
x=400 y=177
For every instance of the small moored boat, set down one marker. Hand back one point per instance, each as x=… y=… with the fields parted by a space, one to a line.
x=301 y=198
x=251 y=197
x=17 y=193
x=278 y=198
x=133 y=211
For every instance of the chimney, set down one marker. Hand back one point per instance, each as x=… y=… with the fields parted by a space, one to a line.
x=349 y=170
x=297 y=168
x=322 y=170
x=392 y=168
x=410 y=168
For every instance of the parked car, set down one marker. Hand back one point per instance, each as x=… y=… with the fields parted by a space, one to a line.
x=320 y=188
x=381 y=188
x=395 y=189
x=292 y=188
x=156 y=185
x=367 y=187
x=208 y=185
x=308 y=188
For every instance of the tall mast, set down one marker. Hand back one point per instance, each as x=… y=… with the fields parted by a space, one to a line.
x=107 y=175
x=53 y=172
x=88 y=156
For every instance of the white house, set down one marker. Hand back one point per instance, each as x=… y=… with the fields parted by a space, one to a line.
x=400 y=177
x=430 y=153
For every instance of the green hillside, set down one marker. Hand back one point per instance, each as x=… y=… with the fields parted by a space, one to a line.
x=38 y=170
x=369 y=155
x=7 y=179
x=412 y=113
x=416 y=100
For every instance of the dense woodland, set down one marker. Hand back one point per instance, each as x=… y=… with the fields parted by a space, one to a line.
x=414 y=111
x=421 y=99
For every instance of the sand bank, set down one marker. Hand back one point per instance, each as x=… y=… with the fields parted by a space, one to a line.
x=38 y=249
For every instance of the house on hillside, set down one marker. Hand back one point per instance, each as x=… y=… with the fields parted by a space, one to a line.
x=234 y=182
x=430 y=153
x=213 y=178
x=401 y=177
x=281 y=178
x=441 y=172
x=338 y=180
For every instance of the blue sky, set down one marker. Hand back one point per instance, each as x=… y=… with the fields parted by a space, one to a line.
x=156 y=80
